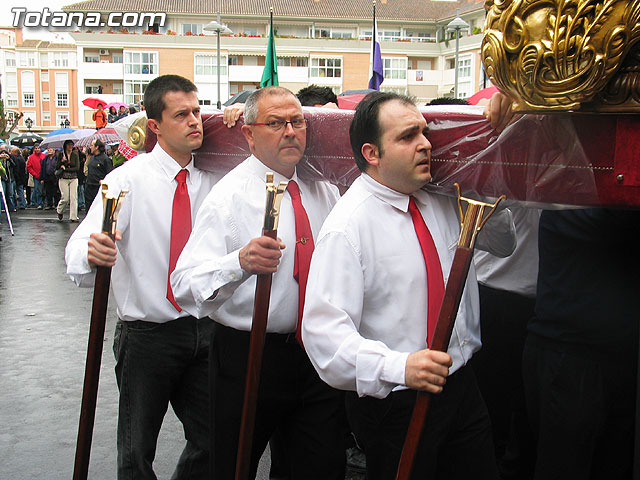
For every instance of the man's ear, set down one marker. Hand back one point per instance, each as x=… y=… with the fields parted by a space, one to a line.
x=153 y=125
x=370 y=152
x=247 y=131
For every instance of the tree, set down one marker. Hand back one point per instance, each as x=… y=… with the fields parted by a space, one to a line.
x=7 y=124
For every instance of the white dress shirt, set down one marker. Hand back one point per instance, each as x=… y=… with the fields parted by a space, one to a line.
x=232 y=215
x=139 y=277
x=366 y=308
x=517 y=273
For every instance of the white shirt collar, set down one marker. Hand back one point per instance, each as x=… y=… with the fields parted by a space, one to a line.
x=255 y=165
x=391 y=196
x=168 y=164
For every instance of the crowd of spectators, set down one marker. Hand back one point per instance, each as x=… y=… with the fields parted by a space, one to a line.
x=55 y=178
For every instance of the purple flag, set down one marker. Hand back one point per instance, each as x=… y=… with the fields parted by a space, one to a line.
x=377 y=74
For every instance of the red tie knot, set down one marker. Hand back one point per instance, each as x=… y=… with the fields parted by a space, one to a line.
x=293 y=188
x=181 y=177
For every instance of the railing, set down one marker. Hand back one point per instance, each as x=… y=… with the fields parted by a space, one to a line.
x=400 y=38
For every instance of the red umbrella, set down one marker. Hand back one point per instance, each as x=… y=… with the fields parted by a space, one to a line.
x=93 y=102
x=485 y=93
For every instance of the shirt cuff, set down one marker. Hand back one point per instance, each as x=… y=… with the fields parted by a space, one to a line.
x=394 y=367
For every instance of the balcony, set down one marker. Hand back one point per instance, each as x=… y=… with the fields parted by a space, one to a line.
x=102 y=70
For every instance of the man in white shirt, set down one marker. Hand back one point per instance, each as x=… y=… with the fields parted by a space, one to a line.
x=365 y=318
x=216 y=277
x=161 y=351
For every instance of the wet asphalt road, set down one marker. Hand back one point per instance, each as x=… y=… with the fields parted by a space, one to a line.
x=44 y=326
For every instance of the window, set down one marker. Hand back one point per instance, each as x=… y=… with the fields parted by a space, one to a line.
x=117 y=58
x=326 y=67
x=28 y=88
x=322 y=33
x=59 y=59
x=191 y=28
x=145 y=63
x=27 y=59
x=92 y=88
x=341 y=33
x=233 y=60
x=46 y=116
x=62 y=82
x=12 y=99
x=117 y=89
x=62 y=99
x=11 y=81
x=206 y=65
x=464 y=67
x=134 y=91
x=395 y=68
x=45 y=96
x=44 y=76
x=204 y=102
x=31 y=115
x=91 y=57
x=391 y=35
x=292 y=61
x=61 y=117
x=28 y=99
x=10 y=59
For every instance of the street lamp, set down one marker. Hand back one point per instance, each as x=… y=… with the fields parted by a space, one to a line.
x=64 y=123
x=216 y=26
x=456 y=25
x=28 y=123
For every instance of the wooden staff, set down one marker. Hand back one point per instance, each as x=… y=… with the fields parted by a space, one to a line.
x=258 y=332
x=472 y=221
x=96 y=340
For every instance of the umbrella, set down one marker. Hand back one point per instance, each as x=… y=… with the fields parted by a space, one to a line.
x=239 y=97
x=93 y=102
x=117 y=105
x=60 y=131
x=28 y=139
x=485 y=93
x=57 y=141
x=106 y=135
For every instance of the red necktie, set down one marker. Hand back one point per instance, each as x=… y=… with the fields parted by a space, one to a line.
x=180 y=227
x=304 y=249
x=435 y=282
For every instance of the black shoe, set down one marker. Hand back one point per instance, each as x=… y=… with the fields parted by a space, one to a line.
x=60 y=216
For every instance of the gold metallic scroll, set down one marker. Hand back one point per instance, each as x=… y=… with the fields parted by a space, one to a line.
x=137 y=133
x=559 y=55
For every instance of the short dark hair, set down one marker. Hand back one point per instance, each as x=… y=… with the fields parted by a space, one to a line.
x=316 y=95
x=155 y=91
x=447 y=101
x=98 y=143
x=67 y=142
x=365 y=126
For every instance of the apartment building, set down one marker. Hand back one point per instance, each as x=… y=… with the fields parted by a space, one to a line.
x=39 y=79
x=324 y=42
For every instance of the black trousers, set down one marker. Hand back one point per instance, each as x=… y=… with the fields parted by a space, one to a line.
x=456 y=441
x=498 y=368
x=582 y=410
x=291 y=397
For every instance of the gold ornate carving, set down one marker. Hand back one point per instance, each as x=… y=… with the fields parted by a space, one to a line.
x=137 y=133
x=565 y=54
